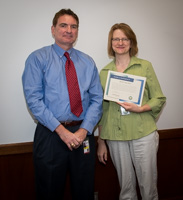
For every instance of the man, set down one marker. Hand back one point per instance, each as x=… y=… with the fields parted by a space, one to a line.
x=63 y=140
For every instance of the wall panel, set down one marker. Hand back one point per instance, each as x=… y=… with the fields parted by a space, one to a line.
x=17 y=173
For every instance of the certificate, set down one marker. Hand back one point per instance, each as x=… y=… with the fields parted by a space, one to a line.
x=121 y=87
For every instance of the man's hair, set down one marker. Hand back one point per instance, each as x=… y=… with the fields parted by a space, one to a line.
x=64 y=12
x=129 y=34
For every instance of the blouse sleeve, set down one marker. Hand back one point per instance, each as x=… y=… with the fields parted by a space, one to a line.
x=105 y=104
x=156 y=97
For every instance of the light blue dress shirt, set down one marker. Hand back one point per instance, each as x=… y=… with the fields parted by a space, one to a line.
x=45 y=87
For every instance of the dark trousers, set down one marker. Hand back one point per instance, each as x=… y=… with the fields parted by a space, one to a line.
x=53 y=160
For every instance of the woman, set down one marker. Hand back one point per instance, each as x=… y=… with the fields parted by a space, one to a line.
x=131 y=135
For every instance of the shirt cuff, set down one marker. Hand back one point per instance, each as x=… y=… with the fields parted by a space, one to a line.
x=54 y=123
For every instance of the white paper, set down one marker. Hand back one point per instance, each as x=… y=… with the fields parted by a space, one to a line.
x=121 y=87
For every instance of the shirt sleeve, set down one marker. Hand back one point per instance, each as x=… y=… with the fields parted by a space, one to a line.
x=94 y=110
x=105 y=104
x=156 y=97
x=32 y=80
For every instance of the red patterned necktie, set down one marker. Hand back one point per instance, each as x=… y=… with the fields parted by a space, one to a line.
x=73 y=87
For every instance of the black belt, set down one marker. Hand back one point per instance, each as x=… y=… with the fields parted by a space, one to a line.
x=72 y=123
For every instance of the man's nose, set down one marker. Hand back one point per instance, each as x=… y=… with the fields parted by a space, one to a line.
x=69 y=29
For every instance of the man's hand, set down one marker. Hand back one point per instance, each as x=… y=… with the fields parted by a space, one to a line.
x=70 y=139
x=81 y=133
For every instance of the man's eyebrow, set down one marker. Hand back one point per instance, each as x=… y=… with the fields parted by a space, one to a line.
x=68 y=24
x=63 y=24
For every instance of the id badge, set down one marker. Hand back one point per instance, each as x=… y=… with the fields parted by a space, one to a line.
x=86 y=146
x=123 y=111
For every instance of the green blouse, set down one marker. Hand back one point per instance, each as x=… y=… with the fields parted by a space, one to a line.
x=135 y=125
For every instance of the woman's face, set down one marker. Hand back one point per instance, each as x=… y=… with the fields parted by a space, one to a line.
x=120 y=43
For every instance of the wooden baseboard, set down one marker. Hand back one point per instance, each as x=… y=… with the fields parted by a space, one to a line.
x=17 y=172
x=27 y=147
x=170 y=133
x=16 y=148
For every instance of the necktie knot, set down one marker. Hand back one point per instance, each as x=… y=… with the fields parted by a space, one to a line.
x=66 y=54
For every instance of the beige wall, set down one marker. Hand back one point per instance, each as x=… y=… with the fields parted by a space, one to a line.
x=25 y=26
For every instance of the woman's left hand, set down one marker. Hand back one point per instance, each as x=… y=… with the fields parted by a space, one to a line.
x=134 y=108
x=130 y=107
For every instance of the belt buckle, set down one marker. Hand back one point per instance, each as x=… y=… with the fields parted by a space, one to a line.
x=67 y=123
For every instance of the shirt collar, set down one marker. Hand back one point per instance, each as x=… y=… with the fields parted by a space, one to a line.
x=60 y=52
x=133 y=61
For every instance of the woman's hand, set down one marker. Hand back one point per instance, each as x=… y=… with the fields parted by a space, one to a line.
x=102 y=151
x=134 y=108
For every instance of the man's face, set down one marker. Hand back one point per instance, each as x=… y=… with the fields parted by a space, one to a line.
x=65 y=32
